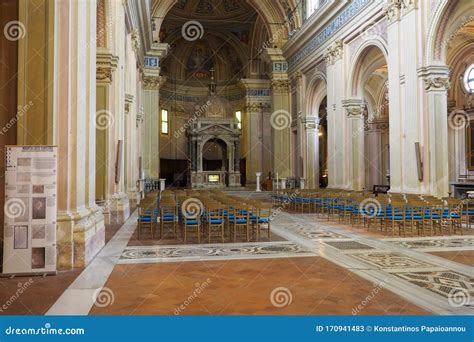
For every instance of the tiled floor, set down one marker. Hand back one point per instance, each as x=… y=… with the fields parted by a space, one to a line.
x=309 y=286
x=310 y=266
x=38 y=295
x=462 y=257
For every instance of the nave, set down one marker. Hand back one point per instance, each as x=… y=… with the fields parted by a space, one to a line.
x=317 y=260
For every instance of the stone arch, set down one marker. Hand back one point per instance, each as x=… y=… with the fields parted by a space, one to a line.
x=316 y=90
x=358 y=72
x=448 y=18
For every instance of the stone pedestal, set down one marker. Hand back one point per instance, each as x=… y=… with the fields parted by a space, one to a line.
x=162 y=184
x=302 y=181
x=258 y=175
x=283 y=183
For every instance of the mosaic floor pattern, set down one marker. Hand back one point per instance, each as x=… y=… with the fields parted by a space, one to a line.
x=348 y=245
x=390 y=260
x=211 y=252
x=457 y=287
x=437 y=244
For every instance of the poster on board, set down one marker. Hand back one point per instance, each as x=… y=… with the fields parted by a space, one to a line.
x=30 y=210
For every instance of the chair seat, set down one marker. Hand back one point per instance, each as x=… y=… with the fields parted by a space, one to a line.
x=215 y=221
x=168 y=218
x=239 y=221
x=146 y=219
x=192 y=222
x=261 y=220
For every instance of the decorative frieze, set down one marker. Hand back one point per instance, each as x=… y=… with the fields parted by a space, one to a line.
x=353 y=8
x=106 y=65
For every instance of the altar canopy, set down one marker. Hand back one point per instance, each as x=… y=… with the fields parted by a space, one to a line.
x=214 y=122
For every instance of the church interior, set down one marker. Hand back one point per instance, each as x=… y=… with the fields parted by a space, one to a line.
x=237 y=157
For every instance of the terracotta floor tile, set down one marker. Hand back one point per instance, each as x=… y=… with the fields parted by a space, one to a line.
x=320 y=288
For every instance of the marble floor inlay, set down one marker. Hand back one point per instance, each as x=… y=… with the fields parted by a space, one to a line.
x=390 y=260
x=445 y=283
x=348 y=245
x=435 y=244
x=211 y=252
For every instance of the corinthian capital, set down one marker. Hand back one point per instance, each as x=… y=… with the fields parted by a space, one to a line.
x=334 y=52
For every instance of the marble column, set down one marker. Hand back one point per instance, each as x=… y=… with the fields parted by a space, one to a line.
x=150 y=97
x=258 y=175
x=257 y=100
x=336 y=118
x=355 y=113
x=281 y=112
x=81 y=232
x=310 y=126
x=437 y=84
x=407 y=124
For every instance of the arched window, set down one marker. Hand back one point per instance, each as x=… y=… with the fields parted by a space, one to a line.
x=469 y=79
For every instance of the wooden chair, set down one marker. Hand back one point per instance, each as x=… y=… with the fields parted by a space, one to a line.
x=238 y=220
x=214 y=219
x=262 y=219
x=168 y=216
x=147 y=215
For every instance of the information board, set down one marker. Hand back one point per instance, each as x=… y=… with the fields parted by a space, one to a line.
x=30 y=210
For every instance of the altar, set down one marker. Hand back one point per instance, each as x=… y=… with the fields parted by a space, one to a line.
x=215 y=126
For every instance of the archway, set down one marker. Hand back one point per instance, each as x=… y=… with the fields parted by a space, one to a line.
x=449 y=52
x=214 y=155
x=368 y=108
x=316 y=133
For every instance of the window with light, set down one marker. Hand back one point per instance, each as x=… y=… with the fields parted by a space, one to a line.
x=238 y=116
x=164 y=121
x=469 y=79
